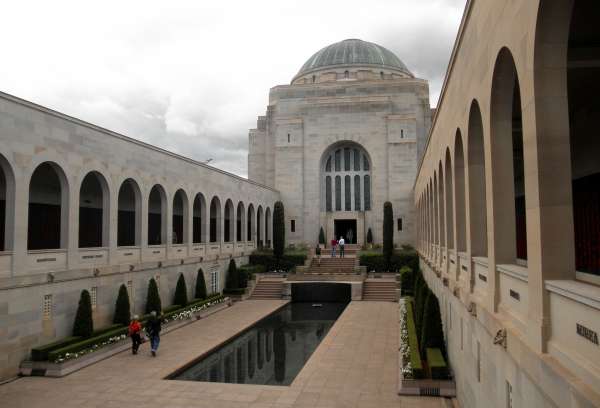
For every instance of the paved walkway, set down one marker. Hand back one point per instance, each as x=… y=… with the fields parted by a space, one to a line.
x=354 y=366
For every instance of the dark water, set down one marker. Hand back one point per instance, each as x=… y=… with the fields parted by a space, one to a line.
x=273 y=351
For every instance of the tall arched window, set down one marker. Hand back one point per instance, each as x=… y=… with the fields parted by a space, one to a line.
x=7 y=187
x=129 y=217
x=180 y=216
x=239 y=222
x=351 y=189
x=93 y=214
x=156 y=214
x=251 y=229
x=215 y=220
x=199 y=214
x=228 y=221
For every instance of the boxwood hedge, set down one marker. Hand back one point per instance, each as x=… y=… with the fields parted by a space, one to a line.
x=375 y=261
x=437 y=364
x=413 y=343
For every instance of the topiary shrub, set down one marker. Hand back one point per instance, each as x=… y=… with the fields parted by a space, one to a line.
x=84 y=324
x=200 y=292
x=369 y=236
x=153 y=302
x=123 y=307
x=278 y=230
x=321 y=236
x=232 y=281
x=388 y=234
x=180 y=297
x=413 y=342
x=406 y=281
x=432 y=335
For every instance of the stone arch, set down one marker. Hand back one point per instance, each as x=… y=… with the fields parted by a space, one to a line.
x=215 y=219
x=48 y=217
x=129 y=217
x=449 y=200
x=199 y=219
x=94 y=211
x=180 y=216
x=157 y=216
x=240 y=222
x=268 y=228
x=459 y=193
x=260 y=226
x=477 y=183
x=251 y=224
x=7 y=204
x=508 y=179
x=228 y=222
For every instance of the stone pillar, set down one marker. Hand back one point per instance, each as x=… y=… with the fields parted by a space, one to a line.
x=69 y=228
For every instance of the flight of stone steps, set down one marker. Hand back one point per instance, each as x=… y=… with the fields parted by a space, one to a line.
x=379 y=289
x=332 y=266
x=268 y=288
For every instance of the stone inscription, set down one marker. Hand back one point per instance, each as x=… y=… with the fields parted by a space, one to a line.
x=515 y=295
x=483 y=277
x=587 y=333
x=46 y=260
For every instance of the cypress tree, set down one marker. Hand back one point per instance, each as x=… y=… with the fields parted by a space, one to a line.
x=232 y=281
x=321 y=236
x=369 y=236
x=432 y=335
x=84 y=324
x=278 y=230
x=200 y=285
x=122 y=308
x=180 y=297
x=153 y=302
x=388 y=233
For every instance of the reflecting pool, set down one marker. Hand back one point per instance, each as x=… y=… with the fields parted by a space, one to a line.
x=272 y=351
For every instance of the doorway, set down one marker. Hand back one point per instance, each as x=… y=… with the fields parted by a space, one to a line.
x=346 y=229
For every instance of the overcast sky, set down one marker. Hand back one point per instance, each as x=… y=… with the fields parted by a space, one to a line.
x=192 y=76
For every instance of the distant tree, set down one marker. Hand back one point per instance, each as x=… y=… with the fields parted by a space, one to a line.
x=232 y=281
x=123 y=307
x=278 y=230
x=84 y=324
x=388 y=233
x=321 y=236
x=369 y=236
x=153 y=302
x=180 y=297
x=200 y=285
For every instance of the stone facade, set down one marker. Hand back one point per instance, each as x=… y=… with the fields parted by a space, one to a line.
x=380 y=109
x=39 y=289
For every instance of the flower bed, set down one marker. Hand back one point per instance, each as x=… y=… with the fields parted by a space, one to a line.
x=412 y=366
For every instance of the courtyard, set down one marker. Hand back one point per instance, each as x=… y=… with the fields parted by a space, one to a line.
x=355 y=365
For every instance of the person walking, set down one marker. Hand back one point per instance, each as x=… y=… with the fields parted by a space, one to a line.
x=153 y=327
x=333 y=245
x=135 y=329
x=341 y=243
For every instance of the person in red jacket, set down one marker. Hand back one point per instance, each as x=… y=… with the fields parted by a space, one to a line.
x=135 y=329
x=333 y=245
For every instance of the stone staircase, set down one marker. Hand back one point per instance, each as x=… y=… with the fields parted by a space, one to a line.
x=268 y=288
x=379 y=289
x=332 y=266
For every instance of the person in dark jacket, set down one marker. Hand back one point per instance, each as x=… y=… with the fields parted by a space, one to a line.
x=153 y=327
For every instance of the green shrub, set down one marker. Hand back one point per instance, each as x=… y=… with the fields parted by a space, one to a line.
x=200 y=292
x=286 y=263
x=236 y=291
x=406 y=281
x=369 y=236
x=84 y=325
x=437 y=364
x=171 y=313
x=432 y=335
x=419 y=306
x=180 y=298
x=172 y=308
x=375 y=261
x=153 y=302
x=417 y=282
x=75 y=347
x=278 y=230
x=413 y=343
x=250 y=271
x=321 y=236
x=41 y=353
x=106 y=329
x=232 y=281
x=122 y=307
x=388 y=235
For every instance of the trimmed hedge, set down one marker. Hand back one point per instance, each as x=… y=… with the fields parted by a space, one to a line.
x=200 y=292
x=413 y=343
x=375 y=261
x=199 y=302
x=122 y=307
x=251 y=270
x=437 y=365
x=83 y=325
x=388 y=235
x=406 y=281
x=153 y=302
x=419 y=308
x=432 y=335
x=41 y=353
x=236 y=291
x=180 y=297
x=270 y=263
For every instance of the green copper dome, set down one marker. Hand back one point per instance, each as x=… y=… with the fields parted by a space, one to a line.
x=353 y=52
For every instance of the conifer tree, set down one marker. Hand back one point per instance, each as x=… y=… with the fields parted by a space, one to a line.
x=153 y=302
x=84 y=324
x=321 y=236
x=180 y=297
x=369 y=236
x=278 y=230
x=232 y=281
x=123 y=307
x=388 y=233
x=200 y=285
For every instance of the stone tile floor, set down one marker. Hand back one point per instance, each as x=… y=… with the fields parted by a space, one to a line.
x=354 y=366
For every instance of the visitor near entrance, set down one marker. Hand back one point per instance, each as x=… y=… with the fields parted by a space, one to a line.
x=341 y=243
x=333 y=245
x=153 y=328
x=135 y=329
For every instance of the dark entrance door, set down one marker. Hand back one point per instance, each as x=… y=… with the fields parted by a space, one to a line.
x=346 y=229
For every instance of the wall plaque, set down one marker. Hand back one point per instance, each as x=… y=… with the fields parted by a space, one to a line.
x=515 y=295
x=483 y=277
x=587 y=333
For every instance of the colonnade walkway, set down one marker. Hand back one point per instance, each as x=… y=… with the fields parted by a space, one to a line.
x=356 y=365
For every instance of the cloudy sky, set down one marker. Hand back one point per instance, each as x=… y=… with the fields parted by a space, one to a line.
x=192 y=76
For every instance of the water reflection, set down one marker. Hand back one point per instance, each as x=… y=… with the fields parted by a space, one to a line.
x=273 y=351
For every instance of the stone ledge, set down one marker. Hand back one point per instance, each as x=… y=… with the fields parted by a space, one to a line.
x=580 y=292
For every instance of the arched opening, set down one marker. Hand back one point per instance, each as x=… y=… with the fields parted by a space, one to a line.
x=507 y=163
x=199 y=219
x=215 y=220
x=268 y=224
x=260 y=225
x=240 y=221
x=251 y=229
x=93 y=211
x=346 y=74
x=477 y=193
x=449 y=201
x=48 y=213
x=180 y=217
x=7 y=199
x=157 y=228
x=228 y=221
x=459 y=193
x=129 y=215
